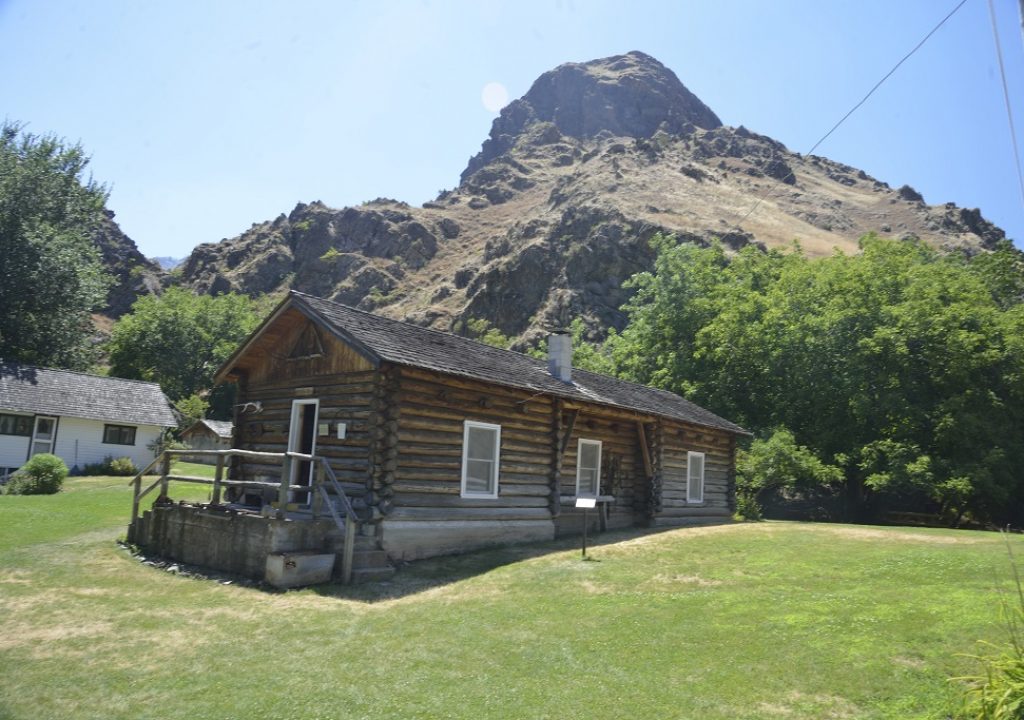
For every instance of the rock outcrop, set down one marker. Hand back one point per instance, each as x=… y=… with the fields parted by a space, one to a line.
x=556 y=211
x=133 y=273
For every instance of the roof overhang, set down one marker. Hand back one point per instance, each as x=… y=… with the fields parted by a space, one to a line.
x=226 y=372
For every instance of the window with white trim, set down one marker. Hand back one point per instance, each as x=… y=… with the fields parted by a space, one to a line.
x=480 y=457
x=588 y=468
x=694 y=477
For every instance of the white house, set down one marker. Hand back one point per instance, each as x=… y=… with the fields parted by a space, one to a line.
x=79 y=417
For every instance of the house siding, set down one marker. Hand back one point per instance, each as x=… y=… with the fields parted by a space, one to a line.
x=80 y=442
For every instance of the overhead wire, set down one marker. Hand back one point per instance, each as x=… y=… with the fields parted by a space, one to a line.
x=1006 y=99
x=857 y=106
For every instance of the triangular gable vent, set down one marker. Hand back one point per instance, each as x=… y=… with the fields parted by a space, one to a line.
x=308 y=345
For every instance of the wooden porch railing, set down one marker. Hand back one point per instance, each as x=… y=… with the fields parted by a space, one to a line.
x=324 y=481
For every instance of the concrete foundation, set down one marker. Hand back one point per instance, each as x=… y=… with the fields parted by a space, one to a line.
x=414 y=539
x=232 y=542
x=289 y=570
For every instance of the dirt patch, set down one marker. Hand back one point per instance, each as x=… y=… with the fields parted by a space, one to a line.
x=670 y=581
x=22 y=635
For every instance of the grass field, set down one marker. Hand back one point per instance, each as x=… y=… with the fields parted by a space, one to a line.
x=768 y=620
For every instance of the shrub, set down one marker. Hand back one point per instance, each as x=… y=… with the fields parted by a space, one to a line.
x=42 y=475
x=111 y=466
x=122 y=466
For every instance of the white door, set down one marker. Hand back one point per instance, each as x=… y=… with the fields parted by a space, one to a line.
x=43 y=434
x=302 y=439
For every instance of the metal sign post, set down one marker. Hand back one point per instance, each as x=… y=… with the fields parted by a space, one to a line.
x=586 y=503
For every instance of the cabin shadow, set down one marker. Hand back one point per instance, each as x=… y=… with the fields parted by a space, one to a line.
x=421 y=576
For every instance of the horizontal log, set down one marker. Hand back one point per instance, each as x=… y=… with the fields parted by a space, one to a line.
x=455 y=501
x=446 y=488
x=482 y=513
x=694 y=511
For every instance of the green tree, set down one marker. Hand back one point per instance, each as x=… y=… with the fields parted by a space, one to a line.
x=902 y=365
x=179 y=339
x=51 y=277
x=777 y=464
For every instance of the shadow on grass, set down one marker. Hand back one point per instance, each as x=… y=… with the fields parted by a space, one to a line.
x=420 y=576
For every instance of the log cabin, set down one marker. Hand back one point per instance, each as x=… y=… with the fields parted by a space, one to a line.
x=447 y=445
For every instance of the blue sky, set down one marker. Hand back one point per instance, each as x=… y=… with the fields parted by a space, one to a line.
x=205 y=117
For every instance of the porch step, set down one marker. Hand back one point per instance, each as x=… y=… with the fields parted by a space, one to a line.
x=365 y=559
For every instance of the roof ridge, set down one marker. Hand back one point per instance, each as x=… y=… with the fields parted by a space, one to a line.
x=419 y=327
x=78 y=372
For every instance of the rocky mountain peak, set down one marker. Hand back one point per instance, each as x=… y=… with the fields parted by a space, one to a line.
x=631 y=95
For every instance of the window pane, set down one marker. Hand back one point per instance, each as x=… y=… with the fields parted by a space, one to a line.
x=481 y=444
x=588 y=481
x=15 y=425
x=696 y=467
x=478 y=476
x=695 y=477
x=588 y=455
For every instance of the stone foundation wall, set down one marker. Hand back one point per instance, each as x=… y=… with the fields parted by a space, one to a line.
x=236 y=543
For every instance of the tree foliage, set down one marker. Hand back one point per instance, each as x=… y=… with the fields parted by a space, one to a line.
x=51 y=277
x=901 y=365
x=777 y=464
x=180 y=340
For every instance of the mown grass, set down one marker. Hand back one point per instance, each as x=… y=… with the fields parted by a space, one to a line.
x=773 y=620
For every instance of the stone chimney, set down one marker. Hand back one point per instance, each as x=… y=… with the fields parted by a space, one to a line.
x=560 y=355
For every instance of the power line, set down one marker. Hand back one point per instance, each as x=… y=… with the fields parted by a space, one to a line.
x=1006 y=99
x=862 y=101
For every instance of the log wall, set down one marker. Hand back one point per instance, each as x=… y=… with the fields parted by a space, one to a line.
x=718 y=448
x=426 y=514
x=622 y=469
x=346 y=386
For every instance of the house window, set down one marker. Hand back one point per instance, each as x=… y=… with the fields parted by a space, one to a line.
x=480 y=456
x=588 y=468
x=694 y=477
x=16 y=425
x=118 y=435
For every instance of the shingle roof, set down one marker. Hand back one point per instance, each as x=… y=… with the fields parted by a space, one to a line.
x=405 y=344
x=221 y=428
x=64 y=393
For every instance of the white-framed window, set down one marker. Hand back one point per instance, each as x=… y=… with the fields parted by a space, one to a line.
x=694 y=477
x=481 y=443
x=588 y=468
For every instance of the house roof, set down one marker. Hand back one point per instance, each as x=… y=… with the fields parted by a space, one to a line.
x=221 y=428
x=64 y=393
x=393 y=341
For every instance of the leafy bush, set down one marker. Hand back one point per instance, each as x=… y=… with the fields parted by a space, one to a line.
x=998 y=694
x=778 y=464
x=43 y=474
x=111 y=466
x=123 y=466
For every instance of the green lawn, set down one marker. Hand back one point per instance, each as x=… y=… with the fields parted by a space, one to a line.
x=769 y=620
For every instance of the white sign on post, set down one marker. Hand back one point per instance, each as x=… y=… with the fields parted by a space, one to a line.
x=587 y=503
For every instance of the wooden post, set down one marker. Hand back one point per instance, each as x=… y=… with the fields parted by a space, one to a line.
x=555 y=498
x=218 y=476
x=136 y=489
x=317 y=501
x=350 y=547
x=165 y=470
x=286 y=480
